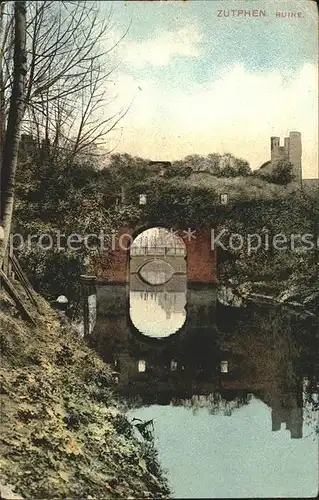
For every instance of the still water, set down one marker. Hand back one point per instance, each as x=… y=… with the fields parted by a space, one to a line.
x=231 y=392
x=158 y=314
x=237 y=456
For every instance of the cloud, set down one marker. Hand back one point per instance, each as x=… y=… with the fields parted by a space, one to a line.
x=161 y=48
x=241 y=110
x=237 y=113
x=256 y=101
x=139 y=94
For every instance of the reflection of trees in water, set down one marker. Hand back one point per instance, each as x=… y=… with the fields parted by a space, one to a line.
x=268 y=353
x=170 y=302
x=267 y=346
x=311 y=405
x=276 y=351
x=215 y=403
x=311 y=392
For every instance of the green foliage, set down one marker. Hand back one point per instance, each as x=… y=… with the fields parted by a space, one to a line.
x=55 y=196
x=146 y=429
x=293 y=268
x=243 y=167
x=302 y=284
x=171 y=204
x=126 y=169
x=226 y=165
x=282 y=174
x=58 y=199
x=178 y=169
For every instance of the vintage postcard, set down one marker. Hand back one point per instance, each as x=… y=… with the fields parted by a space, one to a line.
x=159 y=249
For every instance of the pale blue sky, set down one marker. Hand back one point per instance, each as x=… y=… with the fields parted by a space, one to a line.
x=189 y=64
x=258 y=43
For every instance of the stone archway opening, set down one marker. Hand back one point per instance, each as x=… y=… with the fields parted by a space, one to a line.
x=156 y=254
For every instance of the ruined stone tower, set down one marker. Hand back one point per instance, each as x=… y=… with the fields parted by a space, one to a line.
x=291 y=151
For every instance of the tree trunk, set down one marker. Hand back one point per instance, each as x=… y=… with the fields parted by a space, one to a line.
x=2 y=103
x=12 y=136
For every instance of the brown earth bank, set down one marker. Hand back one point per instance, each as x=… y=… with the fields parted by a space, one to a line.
x=63 y=432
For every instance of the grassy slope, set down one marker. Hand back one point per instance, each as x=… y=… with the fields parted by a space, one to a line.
x=240 y=187
x=63 y=434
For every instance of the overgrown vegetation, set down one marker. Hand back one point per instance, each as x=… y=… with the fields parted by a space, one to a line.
x=84 y=199
x=219 y=165
x=63 y=433
x=281 y=173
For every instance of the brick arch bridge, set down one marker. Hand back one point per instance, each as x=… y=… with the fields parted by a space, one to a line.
x=114 y=265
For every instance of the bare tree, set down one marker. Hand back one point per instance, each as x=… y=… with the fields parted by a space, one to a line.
x=53 y=82
x=70 y=52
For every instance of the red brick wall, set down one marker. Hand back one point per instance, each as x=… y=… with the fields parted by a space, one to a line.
x=112 y=266
x=201 y=260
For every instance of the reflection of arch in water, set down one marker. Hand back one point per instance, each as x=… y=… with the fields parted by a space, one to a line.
x=156 y=256
x=158 y=314
x=152 y=341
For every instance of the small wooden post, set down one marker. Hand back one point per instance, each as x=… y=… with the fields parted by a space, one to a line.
x=10 y=254
x=5 y=264
x=86 y=321
x=88 y=287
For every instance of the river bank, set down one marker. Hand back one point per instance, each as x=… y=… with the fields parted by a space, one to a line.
x=300 y=291
x=64 y=434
